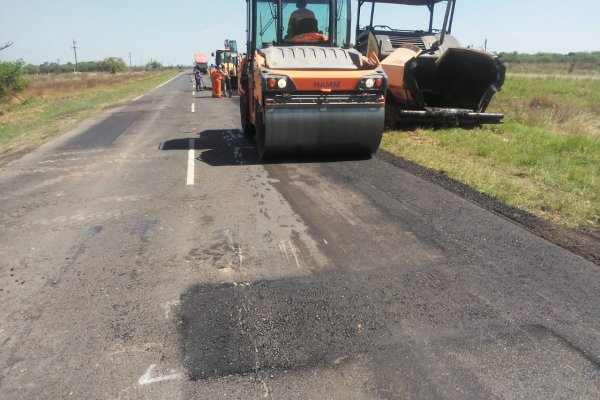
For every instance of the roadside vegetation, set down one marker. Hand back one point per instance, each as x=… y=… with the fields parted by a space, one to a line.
x=47 y=105
x=544 y=158
x=572 y=63
x=109 y=64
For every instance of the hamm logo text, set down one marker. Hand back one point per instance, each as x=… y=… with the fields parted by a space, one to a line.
x=328 y=85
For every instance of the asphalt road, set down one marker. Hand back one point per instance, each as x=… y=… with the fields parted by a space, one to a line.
x=147 y=254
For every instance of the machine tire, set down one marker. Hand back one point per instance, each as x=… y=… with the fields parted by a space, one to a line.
x=393 y=117
x=260 y=136
x=247 y=127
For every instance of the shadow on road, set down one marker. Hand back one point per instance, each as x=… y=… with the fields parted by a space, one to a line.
x=219 y=147
x=229 y=147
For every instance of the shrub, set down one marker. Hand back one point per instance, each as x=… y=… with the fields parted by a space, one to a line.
x=11 y=79
x=154 y=66
x=542 y=101
x=113 y=65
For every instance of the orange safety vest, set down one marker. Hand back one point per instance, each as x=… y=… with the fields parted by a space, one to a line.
x=216 y=77
x=311 y=37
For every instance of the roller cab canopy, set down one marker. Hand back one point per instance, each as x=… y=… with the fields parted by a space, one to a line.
x=429 y=5
x=273 y=23
x=405 y=2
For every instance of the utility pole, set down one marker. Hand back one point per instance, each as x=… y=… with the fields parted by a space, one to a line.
x=75 y=51
x=129 y=60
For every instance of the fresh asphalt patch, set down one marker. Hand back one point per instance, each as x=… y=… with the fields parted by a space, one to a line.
x=105 y=132
x=412 y=324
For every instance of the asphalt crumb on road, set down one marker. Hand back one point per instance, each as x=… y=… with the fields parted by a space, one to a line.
x=584 y=242
x=412 y=331
x=295 y=323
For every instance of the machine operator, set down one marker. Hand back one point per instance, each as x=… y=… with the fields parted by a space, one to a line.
x=301 y=13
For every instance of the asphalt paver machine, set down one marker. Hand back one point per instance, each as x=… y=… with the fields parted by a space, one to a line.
x=432 y=78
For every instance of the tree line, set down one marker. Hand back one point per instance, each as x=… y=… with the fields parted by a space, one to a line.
x=588 y=58
x=12 y=73
x=110 y=64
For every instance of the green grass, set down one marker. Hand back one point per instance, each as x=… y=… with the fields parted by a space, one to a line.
x=581 y=68
x=582 y=93
x=39 y=118
x=544 y=159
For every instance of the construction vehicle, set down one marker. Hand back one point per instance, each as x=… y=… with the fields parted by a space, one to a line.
x=228 y=59
x=201 y=63
x=432 y=79
x=303 y=89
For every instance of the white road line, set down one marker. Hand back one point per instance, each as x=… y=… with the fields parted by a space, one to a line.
x=137 y=98
x=147 y=377
x=294 y=251
x=193 y=107
x=190 y=167
x=168 y=305
x=164 y=83
x=283 y=250
x=193 y=93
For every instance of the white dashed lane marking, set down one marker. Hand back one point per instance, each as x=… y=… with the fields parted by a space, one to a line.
x=190 y=168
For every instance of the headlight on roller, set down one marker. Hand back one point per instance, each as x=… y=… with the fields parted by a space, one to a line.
x=373 y=83
x=278 y=83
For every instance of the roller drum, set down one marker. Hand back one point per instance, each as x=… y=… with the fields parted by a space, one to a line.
x=293 y=131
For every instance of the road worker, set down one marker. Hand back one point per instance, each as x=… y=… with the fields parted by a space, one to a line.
x=301 y=13
x=198 y=78
x=226 y=81
x=216 y=78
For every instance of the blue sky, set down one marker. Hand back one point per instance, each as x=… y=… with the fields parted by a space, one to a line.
x=43 y=30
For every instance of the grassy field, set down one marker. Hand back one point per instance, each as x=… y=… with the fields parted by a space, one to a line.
x=544 y=158
x=53 y=104
x=579 y=69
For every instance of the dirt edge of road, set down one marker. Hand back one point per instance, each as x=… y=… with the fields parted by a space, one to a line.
x=584 y=242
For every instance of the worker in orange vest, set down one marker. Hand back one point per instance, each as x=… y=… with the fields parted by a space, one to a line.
x=215 y=88
x=216 y=78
